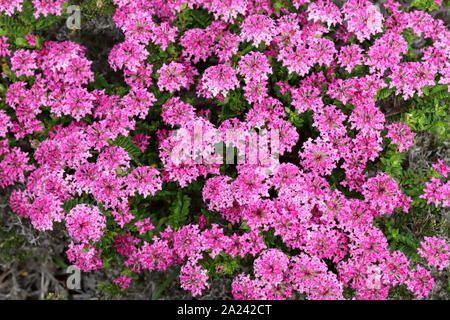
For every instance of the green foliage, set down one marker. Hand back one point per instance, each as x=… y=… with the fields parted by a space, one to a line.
x=294 y=117
x=55 y=296
x=234 y=105
x=17 y=26
x=383 y=93
x=179 y=210
x=222 y=264
x=159 y=291
x=425 y=5
x=391 y=161
x=409 y=35
x=401 y=241
x=84 y=199
x=109 y=289
x=91 y=8
x=11 y=243
x=430 y=115
x=439 y=91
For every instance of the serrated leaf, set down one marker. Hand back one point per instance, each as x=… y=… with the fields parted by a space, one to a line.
x=425 y=5
x=130 y=147
x=384 y=93
x=179 y=210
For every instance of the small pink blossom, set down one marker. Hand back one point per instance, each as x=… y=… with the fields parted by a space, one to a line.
x=436 y=251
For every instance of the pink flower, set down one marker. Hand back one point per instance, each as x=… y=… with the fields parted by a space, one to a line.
x=386 y=52
x=436 y=251
x=217 y=193
x=156 y=256
x=46 y=7
x=123 y=281
x=400 y=135
x=77 y=102
x=163 y=35
x=127 y=55
x=174 y=76
x=85 y=223
x=193 y=278
x=13 y=167
x=298 y=3
x=24 y=62
x=226 y=10
x=141 y=140
x=329 y=121
x=258 y=28
x=137 y=102
x=202 y=221
x=350 y=56
x=244 y=288
x=177 y=112
x=294 y=226
x=227 y=46
x=84 y=256
x=271 y=265
x=4 y=47
x=441 y=168
x=31 y=40
x=254 y=65
x=144 y=226
x=9 y=6
x=420 y=282
x=5 y=123
x=217 y=80
x=142 y=77
x=324 y=11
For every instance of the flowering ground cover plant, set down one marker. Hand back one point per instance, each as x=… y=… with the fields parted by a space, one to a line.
x=244 y=138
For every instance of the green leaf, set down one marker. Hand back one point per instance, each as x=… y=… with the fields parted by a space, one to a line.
x=440 y=91
x=21 y=42
x=179 y=210
x=425 y=5
x=100 y=82
x=384 y=93
x=166 y=283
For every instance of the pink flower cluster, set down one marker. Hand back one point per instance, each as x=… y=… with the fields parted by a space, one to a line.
x=186 y=246
x=400 y=135
x=174 y=76
x=85 y=224
x=217 y=81
x=44 y=7
x=436 y=251
x=437 y=192
x=77 y=149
